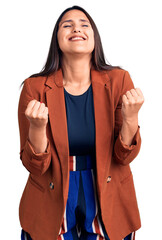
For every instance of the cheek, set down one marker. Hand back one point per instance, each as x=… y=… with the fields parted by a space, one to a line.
x=91 y=34
x=59 y=38
x=59 y=34
x=92 y=38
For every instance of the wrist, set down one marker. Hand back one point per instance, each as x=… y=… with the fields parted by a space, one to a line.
x=128 y=130
x=131 y=121
x=35 y=128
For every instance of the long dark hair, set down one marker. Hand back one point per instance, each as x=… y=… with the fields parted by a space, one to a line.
x=53 y=62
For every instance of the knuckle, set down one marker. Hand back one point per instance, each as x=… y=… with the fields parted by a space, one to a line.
x=39 y=115
x=33 y=101
x=132 y=90
x=34 y=115
x=132 y=102
x=26 y=113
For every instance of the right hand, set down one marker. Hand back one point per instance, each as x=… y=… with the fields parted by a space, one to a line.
x=37 y=114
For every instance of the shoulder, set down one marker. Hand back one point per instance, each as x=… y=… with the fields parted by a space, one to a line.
x=119 y=77
x=34 y=87
x=120 y=82
x=116 y=73
x=36 y=81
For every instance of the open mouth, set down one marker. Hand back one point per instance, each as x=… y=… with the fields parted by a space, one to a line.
x=77 y=39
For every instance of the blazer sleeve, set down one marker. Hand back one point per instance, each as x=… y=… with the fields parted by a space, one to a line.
x=35 y=163
x=124 y=154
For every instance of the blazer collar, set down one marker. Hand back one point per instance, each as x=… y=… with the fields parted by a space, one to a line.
x=96 y=76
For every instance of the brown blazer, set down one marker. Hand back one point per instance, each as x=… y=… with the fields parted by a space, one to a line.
x=44 y=197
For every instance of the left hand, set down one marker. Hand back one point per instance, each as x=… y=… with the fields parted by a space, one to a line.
x=131 y=103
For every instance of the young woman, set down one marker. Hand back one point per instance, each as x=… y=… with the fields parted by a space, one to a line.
x=78 y=122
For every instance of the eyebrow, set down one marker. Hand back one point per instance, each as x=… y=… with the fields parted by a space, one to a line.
x=70 y=20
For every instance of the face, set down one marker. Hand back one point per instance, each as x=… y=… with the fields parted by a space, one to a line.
x=75 y=23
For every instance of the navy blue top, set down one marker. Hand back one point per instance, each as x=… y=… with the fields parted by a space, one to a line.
x=80 y=122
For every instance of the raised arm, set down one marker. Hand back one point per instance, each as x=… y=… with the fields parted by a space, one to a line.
x=127 y=131
x=35 y=151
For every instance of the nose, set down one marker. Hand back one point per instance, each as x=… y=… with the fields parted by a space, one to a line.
x=76 y=29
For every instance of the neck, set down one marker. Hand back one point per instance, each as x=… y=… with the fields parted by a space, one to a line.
x=76 y=71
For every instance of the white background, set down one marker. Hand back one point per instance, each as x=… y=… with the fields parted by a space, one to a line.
x=131 y=36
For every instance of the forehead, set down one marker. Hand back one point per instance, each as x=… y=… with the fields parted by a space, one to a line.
x=74 y=15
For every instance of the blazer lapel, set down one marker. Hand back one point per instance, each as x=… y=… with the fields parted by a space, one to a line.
x=104 y=119
x=103 y=110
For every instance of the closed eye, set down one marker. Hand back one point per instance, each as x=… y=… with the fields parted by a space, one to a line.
x=70 y=26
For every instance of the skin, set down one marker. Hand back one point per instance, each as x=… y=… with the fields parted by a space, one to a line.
x=131 y=103
x=76 y=64
x=37 y=114
x=76 y=60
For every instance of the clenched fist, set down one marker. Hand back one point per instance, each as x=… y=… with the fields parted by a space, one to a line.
x=37 y=114
x=131 y=103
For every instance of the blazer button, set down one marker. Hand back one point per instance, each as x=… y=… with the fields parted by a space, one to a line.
x=51 y=185
x=108 y=179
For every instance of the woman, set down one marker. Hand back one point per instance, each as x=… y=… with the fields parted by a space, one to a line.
x=78 y=121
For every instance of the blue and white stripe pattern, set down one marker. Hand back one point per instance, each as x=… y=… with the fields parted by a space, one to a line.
x=82 y=217
x=25 y=235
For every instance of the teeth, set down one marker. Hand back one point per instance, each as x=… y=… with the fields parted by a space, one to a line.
x=76 y=38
